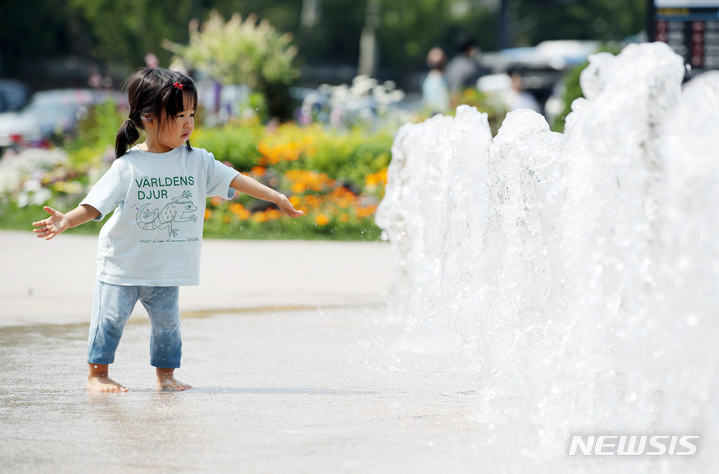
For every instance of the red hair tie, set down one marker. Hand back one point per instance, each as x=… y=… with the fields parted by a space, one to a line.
x=178 y=85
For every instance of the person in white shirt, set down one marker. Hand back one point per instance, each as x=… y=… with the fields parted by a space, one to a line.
x=435 y=92
x=517 y=97
x=151 y=244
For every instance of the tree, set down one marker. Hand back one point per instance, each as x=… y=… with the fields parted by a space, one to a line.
x=408 y=29
x=125 y=32
x=45 y=30
x=603 y=20
x=242 y=52
x=327 y=32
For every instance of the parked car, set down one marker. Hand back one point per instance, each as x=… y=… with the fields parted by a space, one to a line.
x=49 y=113
x=13 y=94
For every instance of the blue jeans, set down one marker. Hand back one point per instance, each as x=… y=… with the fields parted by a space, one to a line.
x=111 y=308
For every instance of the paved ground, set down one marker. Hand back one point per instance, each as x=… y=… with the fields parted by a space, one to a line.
x=275 y=392
x=286 y=344
x=294 y=363
x=52 y=281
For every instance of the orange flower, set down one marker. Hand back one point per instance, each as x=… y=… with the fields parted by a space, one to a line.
x=239 y=210
x=269 y=154
x=258 y=170
x=273 y=213
x=281 y=152
x=208 y=214
x=343 y=197
x=344 y=218
x=298 y=187
x=322 y=219
x=312 y=201
x=259 y=217
x=366 y=211
x=374 y=179
x=308 y=181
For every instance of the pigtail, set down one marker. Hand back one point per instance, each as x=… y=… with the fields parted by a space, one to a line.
x=126 y=136
x=153 y=94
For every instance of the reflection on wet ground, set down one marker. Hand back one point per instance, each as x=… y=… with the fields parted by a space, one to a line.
x=285 y=391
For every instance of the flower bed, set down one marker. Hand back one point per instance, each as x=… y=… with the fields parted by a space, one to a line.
x=336 y=178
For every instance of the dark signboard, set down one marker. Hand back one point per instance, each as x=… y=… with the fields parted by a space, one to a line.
x=690 y=27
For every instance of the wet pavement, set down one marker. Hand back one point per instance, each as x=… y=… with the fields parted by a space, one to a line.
x=295 y=363
x=294 y=378
x=289 y=391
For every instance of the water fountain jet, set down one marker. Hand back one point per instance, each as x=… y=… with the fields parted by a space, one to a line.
x=577 y=273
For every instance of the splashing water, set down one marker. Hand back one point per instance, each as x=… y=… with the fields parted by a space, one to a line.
x=578 y=273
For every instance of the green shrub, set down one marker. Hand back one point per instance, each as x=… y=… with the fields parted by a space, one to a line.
x=350 y=156
x=96 y=135
x=236 y=144
x=241 y=51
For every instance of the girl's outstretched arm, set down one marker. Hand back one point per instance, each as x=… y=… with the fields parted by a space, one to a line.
x=59 y=222
x=251 y=187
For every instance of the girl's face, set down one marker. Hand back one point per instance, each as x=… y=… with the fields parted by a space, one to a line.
x=172 y=132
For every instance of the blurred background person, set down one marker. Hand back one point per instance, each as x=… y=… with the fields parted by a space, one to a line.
x=151 y=61
x=517 y=97
x=435 y=92
x=464 y=69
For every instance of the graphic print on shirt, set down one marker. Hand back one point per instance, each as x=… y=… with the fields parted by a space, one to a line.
x=181 y=209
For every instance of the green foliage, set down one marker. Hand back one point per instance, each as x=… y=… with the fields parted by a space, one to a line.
x=495 y=109
x=572 y=91
x=237 y=51
x=602 y=20
x=347 y=156
x=127 y=31
x=236 y=144
x=96 y=133
x=242 y=52
x=27 y=28
x=350 y=156
x=123 y=32
x=226 y=226
x=409 y=28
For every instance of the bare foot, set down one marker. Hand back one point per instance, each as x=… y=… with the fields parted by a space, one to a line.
x=104 y=384
x=98 y=381
x=166 y=380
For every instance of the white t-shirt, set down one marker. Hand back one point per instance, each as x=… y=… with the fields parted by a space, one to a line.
x=153 y=238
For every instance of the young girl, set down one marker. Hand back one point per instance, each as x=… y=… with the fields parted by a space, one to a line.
x=151 y=244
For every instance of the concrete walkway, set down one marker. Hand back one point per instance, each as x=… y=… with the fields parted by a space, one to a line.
x=294 y=364
x=51 y=282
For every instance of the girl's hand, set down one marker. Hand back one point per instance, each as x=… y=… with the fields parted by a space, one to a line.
x=52 y=226
x=286 y=206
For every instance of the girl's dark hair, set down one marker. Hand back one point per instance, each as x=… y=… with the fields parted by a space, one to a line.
x=150 y=91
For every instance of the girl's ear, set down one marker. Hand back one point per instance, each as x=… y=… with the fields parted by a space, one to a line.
x=148 y=121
